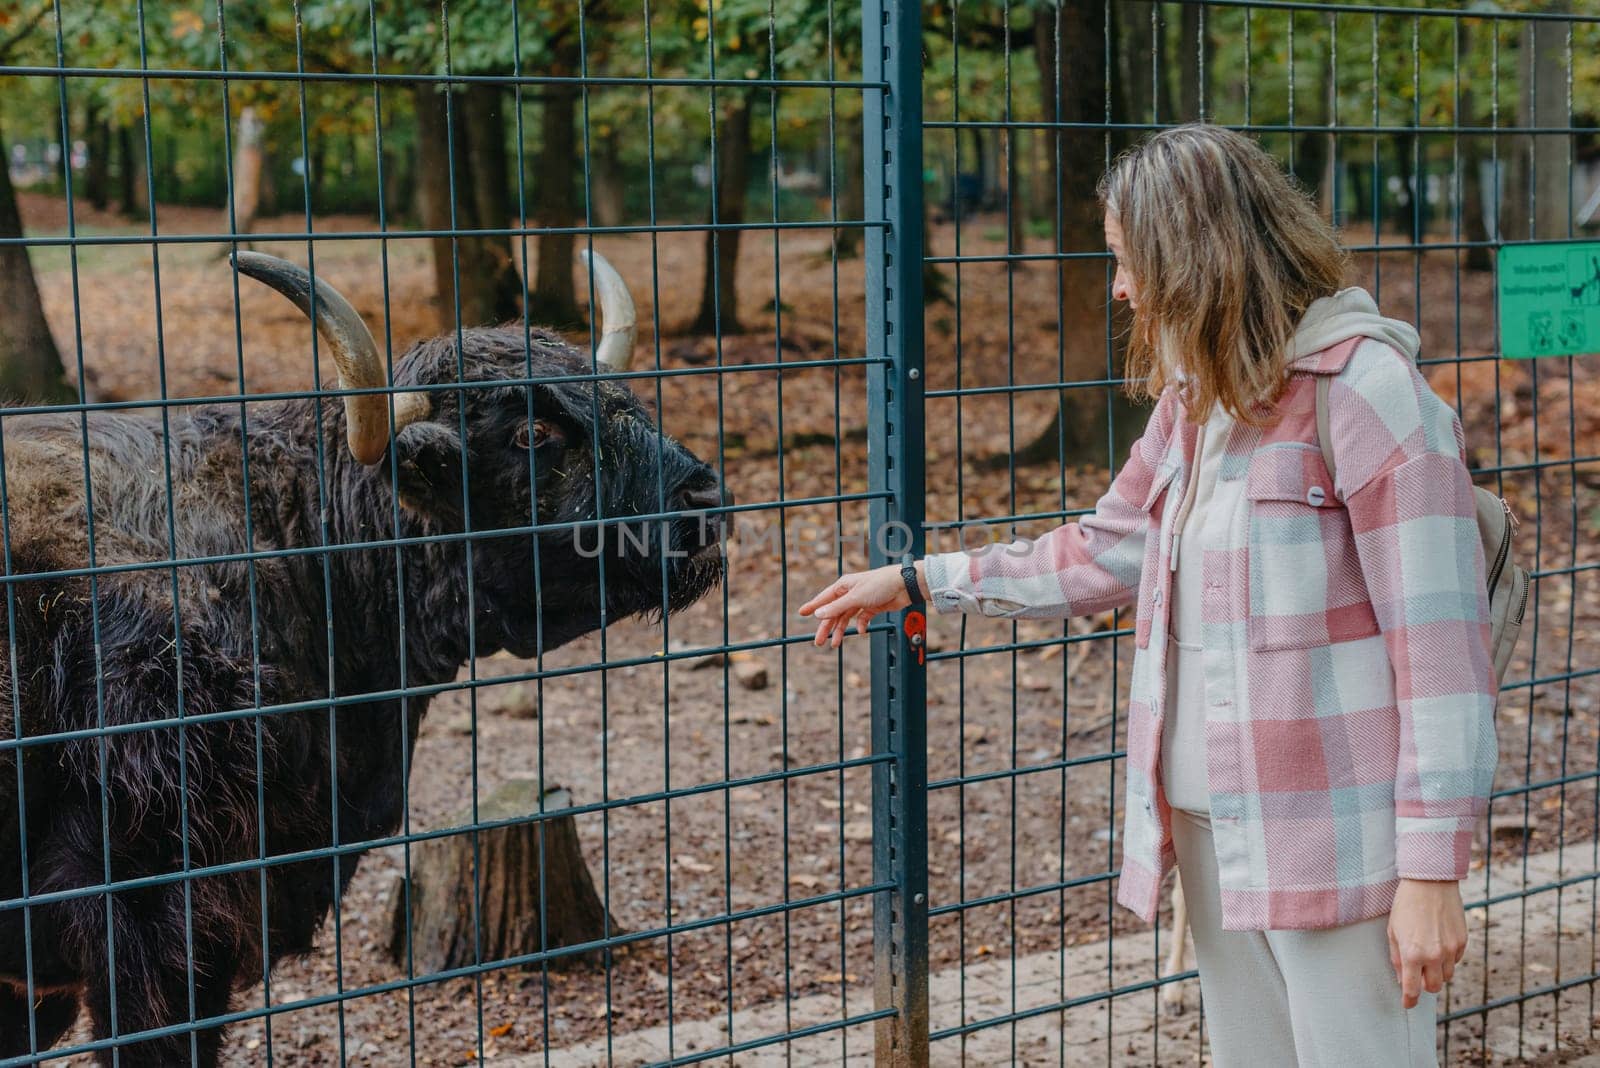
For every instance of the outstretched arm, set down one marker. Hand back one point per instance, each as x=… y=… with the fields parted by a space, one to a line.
x=1079 y=568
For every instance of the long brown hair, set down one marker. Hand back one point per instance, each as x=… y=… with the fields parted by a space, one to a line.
x=1226 y=253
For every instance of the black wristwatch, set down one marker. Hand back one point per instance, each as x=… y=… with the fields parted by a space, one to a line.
x=908 y=572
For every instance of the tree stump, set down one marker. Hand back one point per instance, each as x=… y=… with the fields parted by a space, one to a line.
x=508 y=866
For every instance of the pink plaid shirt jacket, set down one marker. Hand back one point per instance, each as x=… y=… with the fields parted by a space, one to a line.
x=1349 y=732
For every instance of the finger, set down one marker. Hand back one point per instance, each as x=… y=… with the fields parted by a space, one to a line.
x=828 y=593
x=836 y=605
x=1410 y=983
x=1432 y=978
x=863 y=618
x=838 y=625
x=1461 y=951
x=1394 y=957
x=817 y=599
x=822 y=633
x=828 y=598
x=1449 y=970
x=845 y=606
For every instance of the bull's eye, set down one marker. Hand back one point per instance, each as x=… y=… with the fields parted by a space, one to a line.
x=543 y=432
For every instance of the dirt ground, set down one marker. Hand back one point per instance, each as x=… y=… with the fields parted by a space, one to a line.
x=1022 y=743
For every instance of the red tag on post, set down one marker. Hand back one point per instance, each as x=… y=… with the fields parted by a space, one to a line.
x=916 y=630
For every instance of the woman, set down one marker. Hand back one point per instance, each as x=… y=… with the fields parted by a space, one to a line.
x=1311 y=738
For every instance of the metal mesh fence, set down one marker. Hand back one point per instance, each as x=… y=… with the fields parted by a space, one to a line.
x=242 y=625
x=869 y=318
x=1430 y=137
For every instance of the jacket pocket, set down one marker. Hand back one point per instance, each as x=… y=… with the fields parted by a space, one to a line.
x=1163 y=478
x=1306 y=587
x=1152 y=575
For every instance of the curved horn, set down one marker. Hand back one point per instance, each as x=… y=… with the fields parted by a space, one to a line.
x=615 y=350
x=354 y=353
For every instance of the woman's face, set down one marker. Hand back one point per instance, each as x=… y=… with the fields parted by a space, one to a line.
x=1122 y=287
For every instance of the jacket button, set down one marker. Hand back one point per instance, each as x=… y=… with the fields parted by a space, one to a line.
x=1315 y=496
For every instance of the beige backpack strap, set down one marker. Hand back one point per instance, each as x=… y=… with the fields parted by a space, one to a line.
x=1324 y=434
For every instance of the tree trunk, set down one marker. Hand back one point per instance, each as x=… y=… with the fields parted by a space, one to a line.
x=482 y=119
x=491 y=288
x=1137 y=57
x=1405 y=217
x=1016 y=198
x=399 y=181
x=1474 y=225
x=554 y=300
x=1469 y=183
x=1041 y=171
x=169 y=166
x=719 y=296
x=1361 y=175
x=1312 y=150
x=607 y=196
x=1079 y=84
x=1115 y=102
x=1544 y=104
x=247 y=167
x=1081 y=425
x=30 y=363
x=1194 y=78
x=979 y=169
x=399 y=174
x=1166 y=109
x=512 y=865
x=482 y=113
x=852 y=189
x=268 y=195
x=318 y=168
x=433 y=195
x=97 y=175
x=134 y=191
x=1311 y=162
x=935 y=283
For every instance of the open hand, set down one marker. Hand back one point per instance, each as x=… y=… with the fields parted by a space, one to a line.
x=857 y=597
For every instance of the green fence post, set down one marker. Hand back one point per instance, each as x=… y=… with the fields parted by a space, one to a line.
x=892 y=143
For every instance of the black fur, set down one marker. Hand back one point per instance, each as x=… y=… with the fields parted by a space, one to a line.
x=152 y=782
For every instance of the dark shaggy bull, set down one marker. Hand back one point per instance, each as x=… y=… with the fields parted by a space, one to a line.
x=88 y=661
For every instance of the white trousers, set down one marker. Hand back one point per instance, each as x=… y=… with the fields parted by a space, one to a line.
x=1316 y=999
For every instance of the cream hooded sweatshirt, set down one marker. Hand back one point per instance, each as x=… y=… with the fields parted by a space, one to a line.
x=1348 y=313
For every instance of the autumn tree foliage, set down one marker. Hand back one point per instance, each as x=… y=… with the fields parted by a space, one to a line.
x=512 y=129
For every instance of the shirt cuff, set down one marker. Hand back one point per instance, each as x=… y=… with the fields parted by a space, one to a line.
x=1437 y=848
x=950 y=585
x=951 y=588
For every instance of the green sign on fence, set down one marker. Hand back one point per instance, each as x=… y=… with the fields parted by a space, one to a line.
x=1550 y=299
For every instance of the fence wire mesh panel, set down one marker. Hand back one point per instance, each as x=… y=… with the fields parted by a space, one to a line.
x=1430 y=138
x=588 y=298
x=403 y=667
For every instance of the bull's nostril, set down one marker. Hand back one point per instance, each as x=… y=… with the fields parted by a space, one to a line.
x=705 y=532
